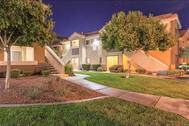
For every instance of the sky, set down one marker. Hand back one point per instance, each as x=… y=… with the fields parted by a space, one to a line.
x=91 y=15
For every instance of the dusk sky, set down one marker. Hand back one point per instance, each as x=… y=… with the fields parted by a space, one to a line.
x=91 y=15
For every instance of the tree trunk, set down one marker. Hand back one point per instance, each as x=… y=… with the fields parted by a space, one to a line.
x=7 y=80
x=129 y=70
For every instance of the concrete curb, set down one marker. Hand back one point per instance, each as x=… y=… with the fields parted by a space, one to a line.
x=48 y=104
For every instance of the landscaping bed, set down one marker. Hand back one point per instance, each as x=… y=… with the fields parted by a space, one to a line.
x=38 y=89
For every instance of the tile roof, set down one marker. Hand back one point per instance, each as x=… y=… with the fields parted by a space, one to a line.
x=166 y=16
x=91 y=33
x=182 y=32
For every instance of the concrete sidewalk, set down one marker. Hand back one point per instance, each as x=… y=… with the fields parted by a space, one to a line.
x=178 y=106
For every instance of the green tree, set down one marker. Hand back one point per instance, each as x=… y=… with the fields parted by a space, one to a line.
x=23 y=22
x=135 y=31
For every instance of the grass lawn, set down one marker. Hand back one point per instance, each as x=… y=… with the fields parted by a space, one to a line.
x=104 y=112
x=162 y=87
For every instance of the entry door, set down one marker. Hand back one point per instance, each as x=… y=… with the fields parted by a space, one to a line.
x=75 y=63
x=112 y=60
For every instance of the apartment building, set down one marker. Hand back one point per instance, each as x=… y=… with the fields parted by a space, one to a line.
x=86 y=48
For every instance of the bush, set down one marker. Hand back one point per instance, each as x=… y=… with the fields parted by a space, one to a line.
x=175 y=73
x=15 y=73
x=95 y=66
x=116 y=68
x=27 y=73
x=184 y=66
x=69 y=70
x=141 y=71
x=2 y=74
x=33 y=93
x=45 y=73
x=86 y=67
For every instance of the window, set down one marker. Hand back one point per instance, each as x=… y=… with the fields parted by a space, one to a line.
x=75 y=51
x=112 y=60
x=16 y=56
x=19 y=53
x=29 y=54
x=87 y=42
x=100 y=60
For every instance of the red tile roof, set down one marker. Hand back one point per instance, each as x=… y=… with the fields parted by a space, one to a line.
x=166 y=16
x=182 y=32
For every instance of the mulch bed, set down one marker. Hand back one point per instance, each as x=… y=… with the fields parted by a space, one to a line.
x=36 y=89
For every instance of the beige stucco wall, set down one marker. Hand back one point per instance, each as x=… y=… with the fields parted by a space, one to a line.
x=39 y=54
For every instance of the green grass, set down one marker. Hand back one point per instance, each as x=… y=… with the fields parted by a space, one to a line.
x=104 y=112
x=156 y=86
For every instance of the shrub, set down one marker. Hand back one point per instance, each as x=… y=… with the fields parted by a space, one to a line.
x=69 y=70
x=140 y=71
x=15 y=73
x=95 y=66
x=2 y=74
x=33 y=93
x=116 y=68
x=175 y=73
x=86 y=67
x=45 y=73
x=184 y=66
x=27 y=73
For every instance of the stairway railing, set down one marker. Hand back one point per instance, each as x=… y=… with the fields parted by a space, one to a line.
x=54 y=60
x=67 y=56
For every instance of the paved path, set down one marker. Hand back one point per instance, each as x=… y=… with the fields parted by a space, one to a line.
x=178 y=106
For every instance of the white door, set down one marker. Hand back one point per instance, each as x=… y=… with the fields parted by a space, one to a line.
x=75 y=63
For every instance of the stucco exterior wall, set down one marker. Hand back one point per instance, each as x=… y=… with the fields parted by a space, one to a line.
x=1 y=55
x=39 y=53
x=164 y=57
x=39 y=57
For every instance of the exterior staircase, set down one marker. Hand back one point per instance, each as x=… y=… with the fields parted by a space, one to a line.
x=147 y=62
x=54 y=63
x=49 y=67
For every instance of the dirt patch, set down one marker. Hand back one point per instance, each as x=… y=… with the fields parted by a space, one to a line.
x=42 y=90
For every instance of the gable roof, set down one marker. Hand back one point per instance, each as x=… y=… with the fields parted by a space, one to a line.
x=169 y=17
x=78 y=34
x=91 y=33
x=163 y=17
x=184 y=34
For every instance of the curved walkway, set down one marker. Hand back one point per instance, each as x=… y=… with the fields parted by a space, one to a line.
x=178 y=106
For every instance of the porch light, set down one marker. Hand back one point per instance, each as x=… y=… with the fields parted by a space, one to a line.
x=67 y=46
x=96 y=42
